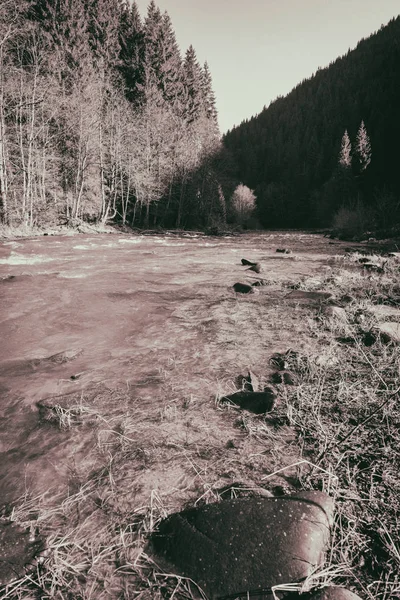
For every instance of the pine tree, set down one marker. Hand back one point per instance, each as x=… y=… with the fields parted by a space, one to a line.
x=363 y=148
x=103 y=18
x=152 y=35
x=209 y=96
x=170 y=77
x=194 y=81
x=162 y=58
x=131 y=39
x=345 y=152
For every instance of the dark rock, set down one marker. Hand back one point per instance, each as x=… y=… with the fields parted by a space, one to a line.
x=369 y=338
x=243 y=288
x=389 y=332
x=246 y=544
x=283 y=361
x=249 y=382
x=348 y=340
x=279 y=361
x=286 y=377
x=248 y=262
x=289 y=378
x=363 y=260
x=255 y=402
x=309 y=297
x=18 y=549
x=277 y=377
x=256 y=268
x=374 y=268
x=284 y=251
x=332 y=592
x=260 y=282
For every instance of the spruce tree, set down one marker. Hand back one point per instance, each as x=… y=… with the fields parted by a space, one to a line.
x=194 y=82
x=131 y=39
x=363 y=148
x=209 y=96
x=345 y=152
x=170 y=77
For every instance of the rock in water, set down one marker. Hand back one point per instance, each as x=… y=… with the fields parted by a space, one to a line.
x=284 y=250
x=309 y=297
x=255 y=402
x=247 y=544
x=244 y=288
x=17 y=551
x=256 y=268
x=248 y=262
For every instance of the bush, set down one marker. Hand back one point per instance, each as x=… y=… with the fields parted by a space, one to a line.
x=353 y=220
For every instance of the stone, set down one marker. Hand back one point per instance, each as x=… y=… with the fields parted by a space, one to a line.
x=289 y=378
x=260 y=282
x=255 y=402
x=334 y=312
x=373 y=268
x=286 y=377
x=284 y=250
x=249 y=382
x=244 y=288
x=246 y=544
x=309 y=297
x=347 y=299
x=248 y=262
x=18 y=549
x=256 y=268
x=332 y=592
x=389 y=332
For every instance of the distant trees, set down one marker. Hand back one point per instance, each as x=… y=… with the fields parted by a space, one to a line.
x=309 y=153
x=101 y=118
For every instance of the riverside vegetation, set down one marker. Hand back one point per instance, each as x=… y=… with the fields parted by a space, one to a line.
x=170 y=441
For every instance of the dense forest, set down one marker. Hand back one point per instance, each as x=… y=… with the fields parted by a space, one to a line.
x=329 y=152
x=101 y=119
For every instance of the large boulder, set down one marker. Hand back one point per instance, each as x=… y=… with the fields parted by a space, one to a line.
x=332 y=592
x=246 y=544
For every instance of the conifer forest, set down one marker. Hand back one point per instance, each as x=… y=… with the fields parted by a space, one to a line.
x=103 y=119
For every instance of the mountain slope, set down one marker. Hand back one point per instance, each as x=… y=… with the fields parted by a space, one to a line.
x=289 y=152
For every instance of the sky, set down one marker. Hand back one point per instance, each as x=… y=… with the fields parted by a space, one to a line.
x=260 y=49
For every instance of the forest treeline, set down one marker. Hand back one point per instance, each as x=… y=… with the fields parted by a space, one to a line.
x=293 y=153
x=102 y=118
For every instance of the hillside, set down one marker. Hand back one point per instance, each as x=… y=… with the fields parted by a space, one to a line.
x=289 y=153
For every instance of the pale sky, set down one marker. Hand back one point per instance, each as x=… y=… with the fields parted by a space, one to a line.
x=260 y=49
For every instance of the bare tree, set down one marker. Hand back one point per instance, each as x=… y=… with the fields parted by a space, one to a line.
x=243 y=203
